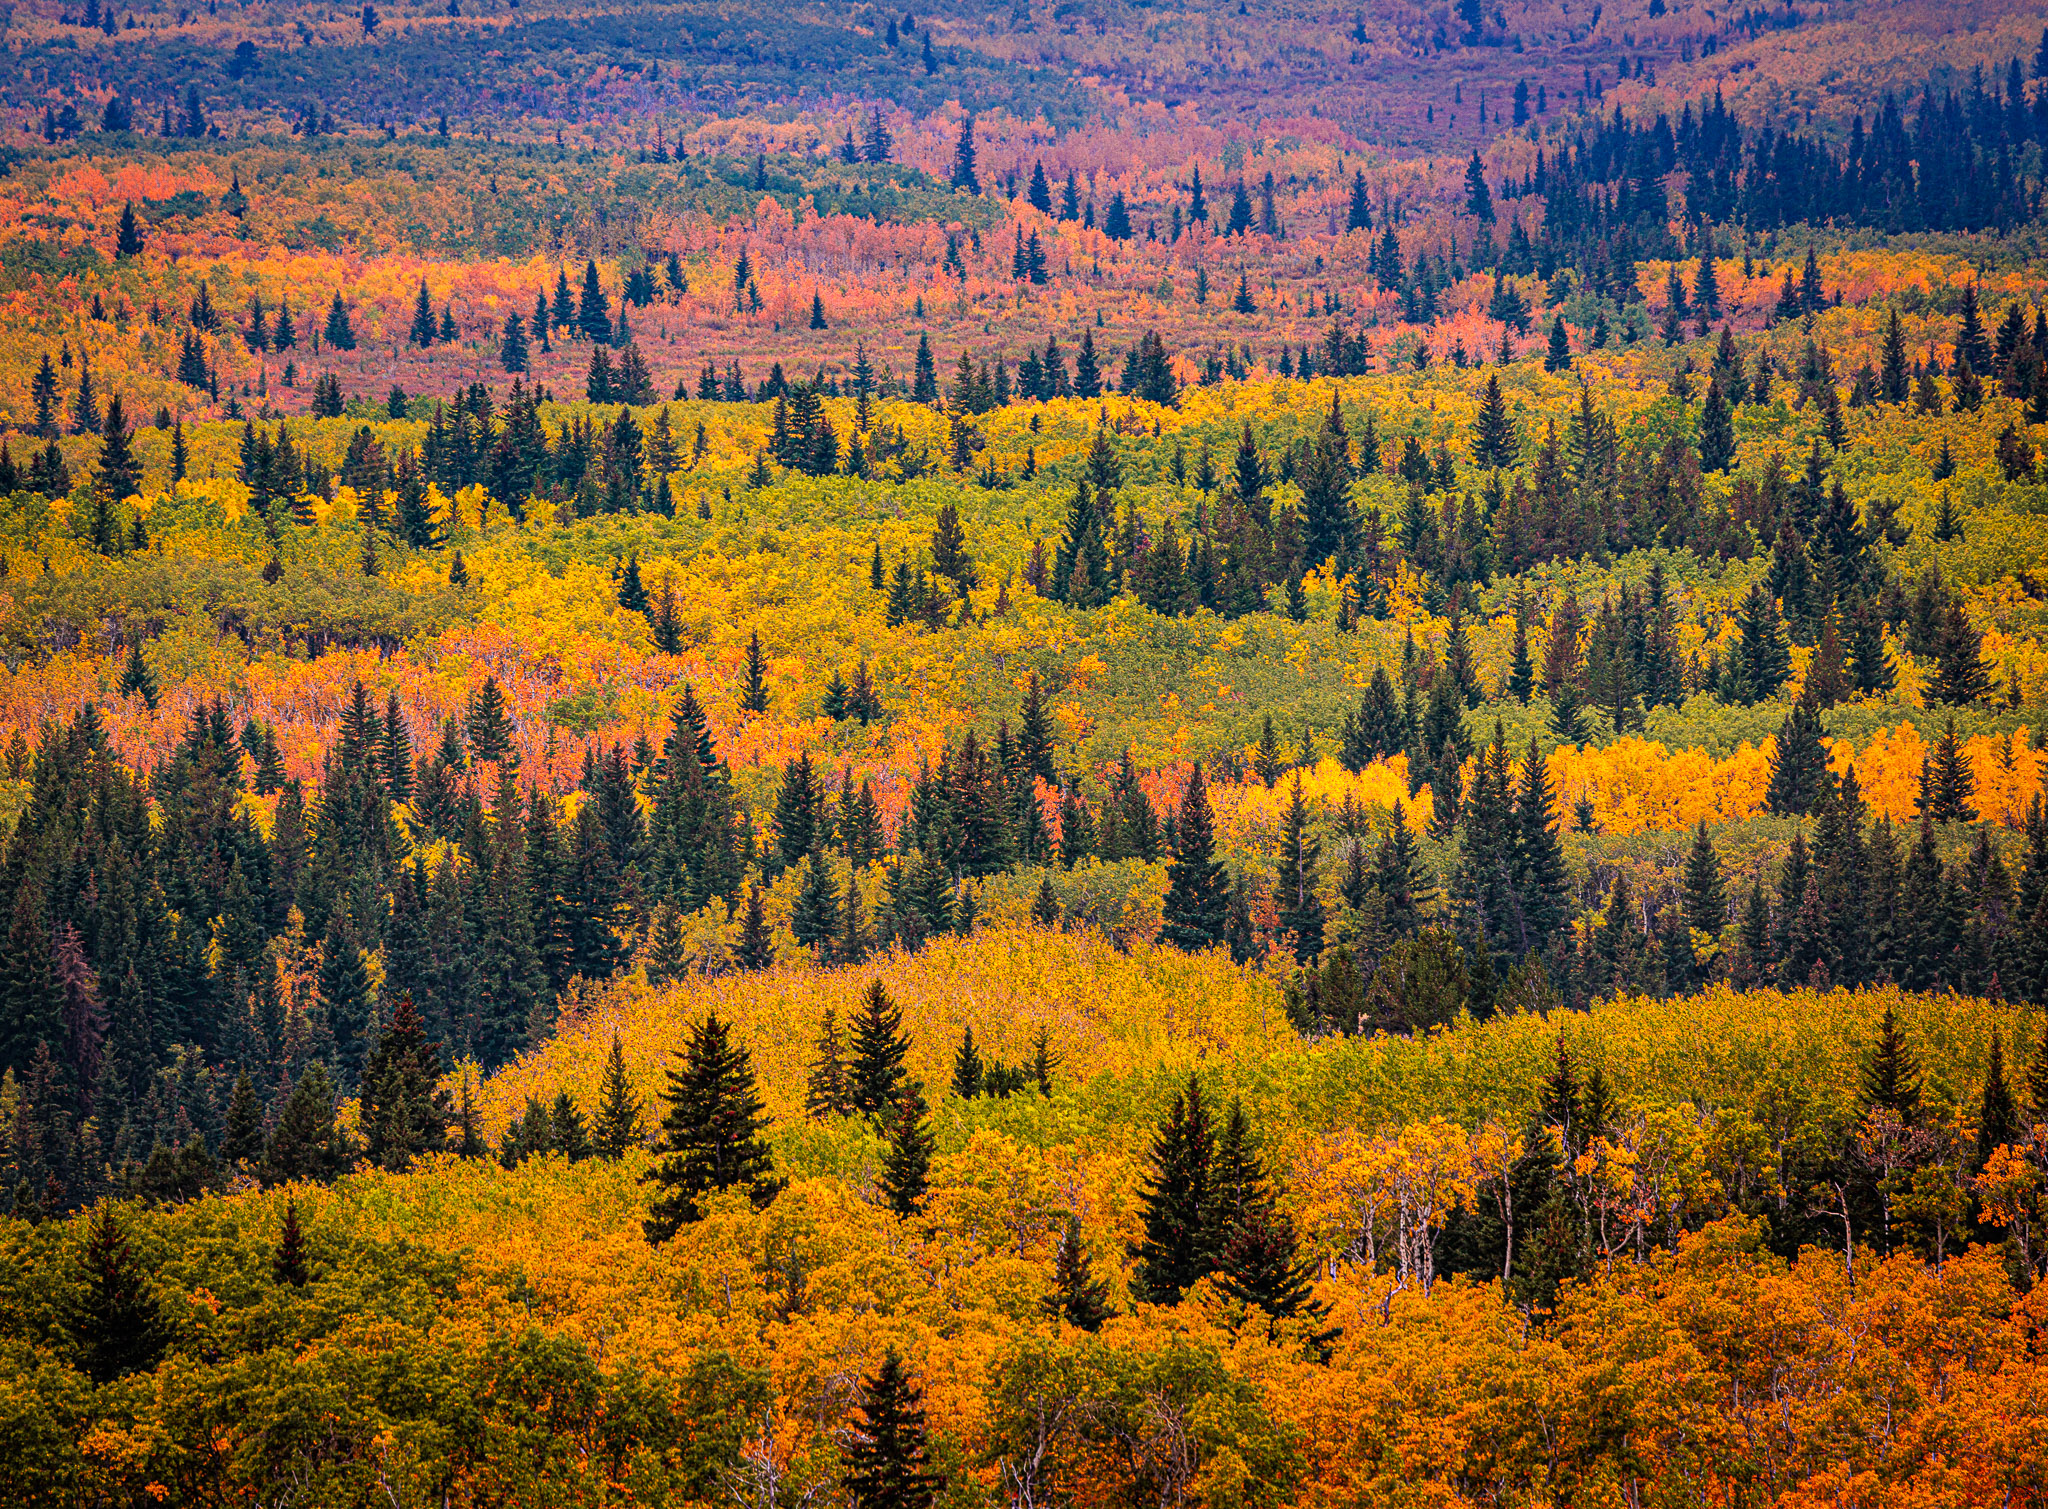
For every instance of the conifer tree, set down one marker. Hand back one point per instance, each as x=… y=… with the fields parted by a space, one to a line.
x=907 y=1161
x=404 y=1112
x=1763 y=658
x=756 y=946
x=1300 y=907
x=829 y=1089
x=339 y=333
x=875 y=1076
x=1521 y=672
x=116 y=1321
x=1197 y=893
x=487 y=729
x=137 y=680
x=288 y=1263
x=888 y=1458
x=618 y=1108
x=754 y=697
x=1891 y=1076
x=1077 y=1297
x=1177 y=1249
x=1998 y=1119
x=306 y=1144
x=1706 y=898
x=711 y=1136
x=1800 y=782
x=1952 y=786
x=967 y=1066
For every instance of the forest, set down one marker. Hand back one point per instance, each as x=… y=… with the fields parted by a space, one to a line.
x=1086 y=756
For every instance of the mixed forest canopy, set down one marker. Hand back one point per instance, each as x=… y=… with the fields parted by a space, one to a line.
x=1075 y=754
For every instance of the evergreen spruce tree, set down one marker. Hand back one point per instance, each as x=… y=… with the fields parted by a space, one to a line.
x=711 y=1136
x=1197 y=894
x=1763 y=657
x=1952 y=787
x=404 y=1113
x=1706 y=898
x=907 y=1161
x=1800 y=782
x=288 y=1263
x=756 y=946
x=876 y=1075
x=116 y=1322
x=486 y=726
x=618 y=1108
x=1891 y=1075
x=754 y=696
x=968 y=1069
x=1077 y=1297
x=1998 y=1118
x=1521 y=671
x=888 y=1459
x=1177 y=1247
x=306 y=1144
x=829 y=1089
x=1300 y=908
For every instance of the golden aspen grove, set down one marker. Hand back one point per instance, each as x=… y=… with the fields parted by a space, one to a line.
x=1084 y=755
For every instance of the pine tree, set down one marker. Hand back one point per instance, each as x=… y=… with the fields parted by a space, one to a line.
x=876 y=1075
x=339 y=333
x=754 y=697
x=487 y=728
x=1800 y=782
x=1763 y=658
x=128 y=240
x=1177 y=1248
x=907 y=1161
x=888 y=1458
x=404 y=1113
x=967 y=1066
x=1891 y=1076
x=306 y=1144
x=756 y=949
x=1197 y=894
x=1706 y=898
x=829 y=1089
x=1300 y=908
x=137 y=680
x=1998 y=1118
x=711 y=1136
x=1077 y=1297
x=288 y=1263
x=1951 y=784
x=116 y=1321
x=618 y=1108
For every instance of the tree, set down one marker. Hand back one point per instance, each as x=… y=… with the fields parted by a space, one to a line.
x=128 y=240
x=712 y=1136
x=1799 y=763
x=404 y=1113
x=1478 y=197
x=1951 y=786
x=423 y=327
x=1717 y=431
x=1557 y=356
x=1077 y=1297
x=116 y=1322
x=137 y=680
x=1178 y=1245
x=593 y=308
x=288 y=1263
x=306 y=1143
x=876 y=1074
x=1494 y=443
x=1999 y=1122
x=1891 y=1075
x=1895 y=379
x=907 y=1160
x=1763 y=658
x=1706 y=898
x=339 y=333
x=1300 y=908
x=618 y=1108
x=488 y=730
x=1959 y=676
x=512 y=349
x=888 y=1459
x=963 y=150
x=1196 y=896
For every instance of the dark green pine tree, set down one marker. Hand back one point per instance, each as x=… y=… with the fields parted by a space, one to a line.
x=288 y=1263
x=405 y=1113
x=345 y=995
x=1493 y=443
x=1035 y=735
x=1894 y=378
x=137 y=680
x=1891 y=1076
x=754 y=696
x=1998 y=1118
x=1951 y=787
x=711 y=1136
x=1521 y=670
x=888 y=1459
x=423 y=323
x=756 y=948
x=1177 y=1248
x=829 y=1088
x=968 y=1069
x=488 y=729
x=1717 y=430
x=128 y=240
x=1077 y=1297
x=814 y=916
x=907 y=1161
x=1261 y=1266
x=116 y=1322
x=1763 y=658
x=876 y=1075
x=339 y=333
x=241 y=1145
x=618 y=1108
x=1706 y=896
x=1197 y=894
x=1800 y=782
x=306 y=1143
x=1301 y=911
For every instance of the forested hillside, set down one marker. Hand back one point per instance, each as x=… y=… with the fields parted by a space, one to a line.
x=1089 y=755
